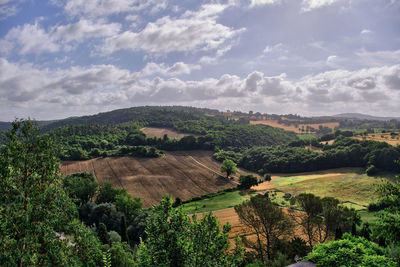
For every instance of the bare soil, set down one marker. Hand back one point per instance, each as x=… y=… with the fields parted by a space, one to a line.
x=183 y=174
x=160 y=132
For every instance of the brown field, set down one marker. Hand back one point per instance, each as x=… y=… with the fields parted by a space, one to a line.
x=381 y=137
x=181 y=174
x=375 y=137
x=160 y=132
x=274 y=123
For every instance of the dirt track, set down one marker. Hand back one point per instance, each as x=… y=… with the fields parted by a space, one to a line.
x=183 y=174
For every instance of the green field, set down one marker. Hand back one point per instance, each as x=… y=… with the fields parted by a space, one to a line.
x=226 y=200
x=350 y=186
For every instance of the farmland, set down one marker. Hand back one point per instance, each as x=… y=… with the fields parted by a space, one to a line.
x=160 y=132
x=348 y=185
x=182 y=174
x=293 y=128
x=382 y=137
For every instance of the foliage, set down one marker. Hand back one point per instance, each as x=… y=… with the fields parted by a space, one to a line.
x=228 y=167
x=102 y=233
x=128 y=205
x=323 y=217
x=247 y=181
x=388 y=224
x=122 y=255
x=173 y=239
x=267 y=221
x=81 y=187
x=344 y=152
x=37 y=218
x=350 y=251
x=108 y=193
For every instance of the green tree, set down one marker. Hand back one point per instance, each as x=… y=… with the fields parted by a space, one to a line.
x=128 y=205
x=388 y=224
x=38 y=221
x=350 y=251
x=124 y=232
x=107 y=193
x=81 y=187
x=103 y=234
x=228 y=167
x=267 y=221
x=247 y=181
x=173 y=239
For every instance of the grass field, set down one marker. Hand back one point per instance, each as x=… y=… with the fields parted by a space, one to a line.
x=226 y=200
x=293 y=128
x=349 y=185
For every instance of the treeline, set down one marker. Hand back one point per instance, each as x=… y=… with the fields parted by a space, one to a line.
x=344 y=152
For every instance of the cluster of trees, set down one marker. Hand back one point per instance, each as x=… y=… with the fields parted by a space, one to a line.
x=344 y=152
x=80 y=142
x=330 y=231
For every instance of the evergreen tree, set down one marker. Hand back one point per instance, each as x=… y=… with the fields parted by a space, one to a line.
x=124 y=233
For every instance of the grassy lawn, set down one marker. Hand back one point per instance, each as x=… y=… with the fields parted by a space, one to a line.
x=368 y=217
x=226 y=200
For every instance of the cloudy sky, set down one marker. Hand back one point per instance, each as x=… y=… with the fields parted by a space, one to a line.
x=61 y=58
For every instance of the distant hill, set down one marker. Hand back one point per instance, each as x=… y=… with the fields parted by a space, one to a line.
x=360 y=116
x=5 y=125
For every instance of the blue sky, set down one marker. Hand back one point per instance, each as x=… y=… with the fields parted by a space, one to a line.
x=62 y=58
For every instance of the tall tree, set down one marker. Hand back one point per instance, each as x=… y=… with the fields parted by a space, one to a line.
x=267 y=221
x=38 y=221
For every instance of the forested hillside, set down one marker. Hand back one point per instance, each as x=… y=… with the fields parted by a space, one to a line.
x=105 y=135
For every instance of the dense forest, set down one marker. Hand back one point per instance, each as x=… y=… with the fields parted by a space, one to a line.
x=84 y=141
x=344 y=152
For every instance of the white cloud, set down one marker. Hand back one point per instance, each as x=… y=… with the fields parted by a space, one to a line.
x=34 y=39
x=104 y=87
x=100 y=8
x=8 y=8
x=308 y=5
x=256 y=3
x=190 y=32
x=178 y=68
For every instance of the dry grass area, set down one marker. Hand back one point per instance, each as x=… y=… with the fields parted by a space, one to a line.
x=381 y=137
x=293 y=128
x=183 y=174
x=160 y=132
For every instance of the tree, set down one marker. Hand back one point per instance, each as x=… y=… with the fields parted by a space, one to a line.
x=247 y=181
x=267 y=221
x=229 y=167
x=173 y=239
x=81 y=187
x=107 y=193
x=102 y=233
x=350 y=251
x=38 y=221
x=124 y=232
x=388 y=224
x=128 y=205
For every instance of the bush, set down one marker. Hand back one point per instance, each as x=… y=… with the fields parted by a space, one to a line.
x=371 y=170
x=267 y=177
x=247 y=181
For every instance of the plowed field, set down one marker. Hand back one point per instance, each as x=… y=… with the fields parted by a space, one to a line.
x=181 y=174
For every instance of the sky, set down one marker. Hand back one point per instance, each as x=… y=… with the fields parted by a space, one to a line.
x=62 y=58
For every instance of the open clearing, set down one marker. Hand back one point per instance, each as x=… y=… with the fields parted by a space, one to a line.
x=293 y=128
x=160 y=132
x=183 y=174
